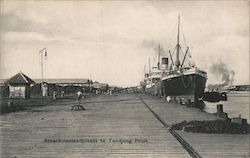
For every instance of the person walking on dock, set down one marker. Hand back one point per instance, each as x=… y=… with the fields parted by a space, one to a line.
x=78 y=101
x=79 y=97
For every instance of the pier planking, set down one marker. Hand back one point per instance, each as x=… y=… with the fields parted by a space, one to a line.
x=207 y=145
x=107 y=117
x=112 y=118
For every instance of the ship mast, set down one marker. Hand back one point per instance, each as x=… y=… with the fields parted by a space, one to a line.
x=149 y=69
x=145 y=71
x=158 y=64
x=177 y=62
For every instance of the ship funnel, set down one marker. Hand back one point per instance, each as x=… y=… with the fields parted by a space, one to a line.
x=164 y=61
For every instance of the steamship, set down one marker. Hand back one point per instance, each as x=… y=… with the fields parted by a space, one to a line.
x=181 y=80
x=153 y=77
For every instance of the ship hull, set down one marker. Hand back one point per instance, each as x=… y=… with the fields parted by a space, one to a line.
x=191 y=85
x=155 y=89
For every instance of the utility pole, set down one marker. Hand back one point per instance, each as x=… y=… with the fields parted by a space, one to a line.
x=42 y=52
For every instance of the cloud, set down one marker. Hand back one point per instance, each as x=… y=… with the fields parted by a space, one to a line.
x=30 y=36
x=28 y=11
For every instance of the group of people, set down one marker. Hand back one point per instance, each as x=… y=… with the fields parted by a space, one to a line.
x=79 y=97
x=54 y=96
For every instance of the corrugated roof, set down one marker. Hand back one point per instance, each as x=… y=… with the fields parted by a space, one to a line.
x=20 y=78
x=99 y=85
x=63 y=81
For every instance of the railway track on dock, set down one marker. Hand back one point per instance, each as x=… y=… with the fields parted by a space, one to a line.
x=182 y=141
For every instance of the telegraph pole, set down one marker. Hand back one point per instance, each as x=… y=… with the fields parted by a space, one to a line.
x=42 y=52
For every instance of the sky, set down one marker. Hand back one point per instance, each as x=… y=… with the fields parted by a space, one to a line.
x=111 y=41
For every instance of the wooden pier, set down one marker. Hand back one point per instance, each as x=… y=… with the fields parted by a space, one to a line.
x=121 y=125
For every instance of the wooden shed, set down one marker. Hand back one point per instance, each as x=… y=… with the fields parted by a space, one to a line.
x=19 y=86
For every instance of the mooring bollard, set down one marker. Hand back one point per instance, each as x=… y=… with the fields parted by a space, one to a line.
x=219 y=108
x=220 y=112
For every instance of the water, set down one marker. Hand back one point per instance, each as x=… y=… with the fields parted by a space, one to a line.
x=238 y=104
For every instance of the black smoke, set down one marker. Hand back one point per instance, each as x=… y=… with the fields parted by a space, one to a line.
x=221 y=70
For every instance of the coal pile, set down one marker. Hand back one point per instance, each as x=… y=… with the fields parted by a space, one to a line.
x=216 y=126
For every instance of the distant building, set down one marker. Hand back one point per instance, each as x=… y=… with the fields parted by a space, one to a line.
x=65 y=86
x=243 y=88
x=223 y=87
x=100 y=87
x=65 y=82
x=19 y=86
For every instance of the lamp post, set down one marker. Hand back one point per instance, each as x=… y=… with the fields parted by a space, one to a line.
x=42 y=52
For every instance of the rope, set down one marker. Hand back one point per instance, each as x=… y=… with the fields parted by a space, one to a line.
x=169 y=43
x=184 y=39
